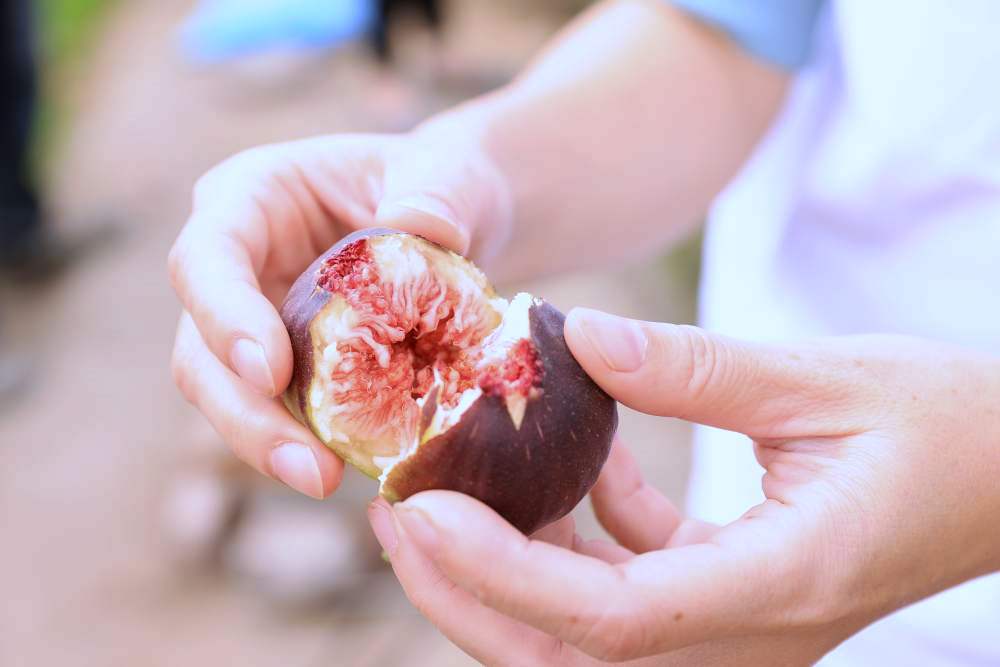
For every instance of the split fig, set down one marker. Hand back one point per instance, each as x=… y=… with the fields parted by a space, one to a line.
x=410 y=367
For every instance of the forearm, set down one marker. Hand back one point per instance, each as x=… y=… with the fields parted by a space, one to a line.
x=616 y=139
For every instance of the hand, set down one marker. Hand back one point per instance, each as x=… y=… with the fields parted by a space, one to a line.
x=259 y=220
x=881 y=460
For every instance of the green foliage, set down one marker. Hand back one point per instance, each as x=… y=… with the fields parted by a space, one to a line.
x=65 y=26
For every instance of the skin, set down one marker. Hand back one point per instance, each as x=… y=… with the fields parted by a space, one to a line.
x=462 y=180
x=880 y=453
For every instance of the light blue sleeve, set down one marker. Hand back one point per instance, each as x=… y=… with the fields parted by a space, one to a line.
x=778 y=31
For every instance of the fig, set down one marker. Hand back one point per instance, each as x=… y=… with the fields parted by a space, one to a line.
x=411 y=367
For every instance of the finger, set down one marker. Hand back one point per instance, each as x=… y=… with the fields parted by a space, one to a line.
x=271 y=209
x=486 y=635
x=508 y=581
x=692 y=531
x=686 y=372
x=638 y=516
x=652 y=603
x=560 y=533
x=494 y=639
x=215 y=262
x=450 y=201
x=259 y=430
x=603 y=550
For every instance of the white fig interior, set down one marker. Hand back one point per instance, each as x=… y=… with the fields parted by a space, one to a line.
x=409 y=322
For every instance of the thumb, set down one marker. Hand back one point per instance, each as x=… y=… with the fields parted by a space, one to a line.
x=687 y=372
x=459 y=200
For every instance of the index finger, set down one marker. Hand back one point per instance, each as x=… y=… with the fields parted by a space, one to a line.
x=636 y=514
x=214 y=265
x=653 y=603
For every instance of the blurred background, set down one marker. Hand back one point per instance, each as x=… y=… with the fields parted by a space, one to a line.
x=130 y=535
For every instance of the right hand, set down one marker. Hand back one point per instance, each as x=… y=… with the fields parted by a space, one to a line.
x=259 y=220
x=881 y=459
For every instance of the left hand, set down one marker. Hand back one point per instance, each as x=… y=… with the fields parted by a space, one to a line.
x=259 y=220
x=881 y=457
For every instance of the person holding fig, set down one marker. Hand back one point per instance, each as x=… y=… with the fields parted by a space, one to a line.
x=843 y=499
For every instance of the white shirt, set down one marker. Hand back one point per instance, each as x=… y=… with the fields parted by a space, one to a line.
x=873 y=205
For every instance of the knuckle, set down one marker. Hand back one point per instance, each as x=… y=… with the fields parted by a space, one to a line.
x=491 y=587
x=203 y=185
x=813 y=607
x=613 y=637
x=703 y=361
x=611 y=631
x=246 y=164
x=177 y=262
x=554 y=652
x=804 y=578
x=820 y=600
x=422 y=597
x=237 y=162
x=180 y=371
x=243 y=436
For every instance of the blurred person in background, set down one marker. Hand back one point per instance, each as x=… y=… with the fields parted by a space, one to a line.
x=26 y=251
x=843 y=498
x=29 y=250
x=234 y=31
x=393 y=96
x=389 y=10
x=220 y=30
x=31 y=254
x=21 y=238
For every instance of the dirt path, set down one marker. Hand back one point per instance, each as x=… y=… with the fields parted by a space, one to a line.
x=86 y=455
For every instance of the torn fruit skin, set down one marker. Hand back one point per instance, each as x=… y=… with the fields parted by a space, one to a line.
x=409 y=366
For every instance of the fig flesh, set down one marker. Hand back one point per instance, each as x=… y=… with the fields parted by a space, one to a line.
x=410 y=367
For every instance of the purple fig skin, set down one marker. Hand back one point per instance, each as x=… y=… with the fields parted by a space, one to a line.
x=532 y=475
x=301 y=306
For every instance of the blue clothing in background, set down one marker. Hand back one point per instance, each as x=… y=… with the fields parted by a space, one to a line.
x=221 y=30
x=778 y=31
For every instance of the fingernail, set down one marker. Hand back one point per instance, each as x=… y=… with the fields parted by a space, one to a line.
x=422 y=204
x=621 y=342
x=394 y=214
x=250 y=363
x=296 y=466
x=384 y=527
x=419 y=528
